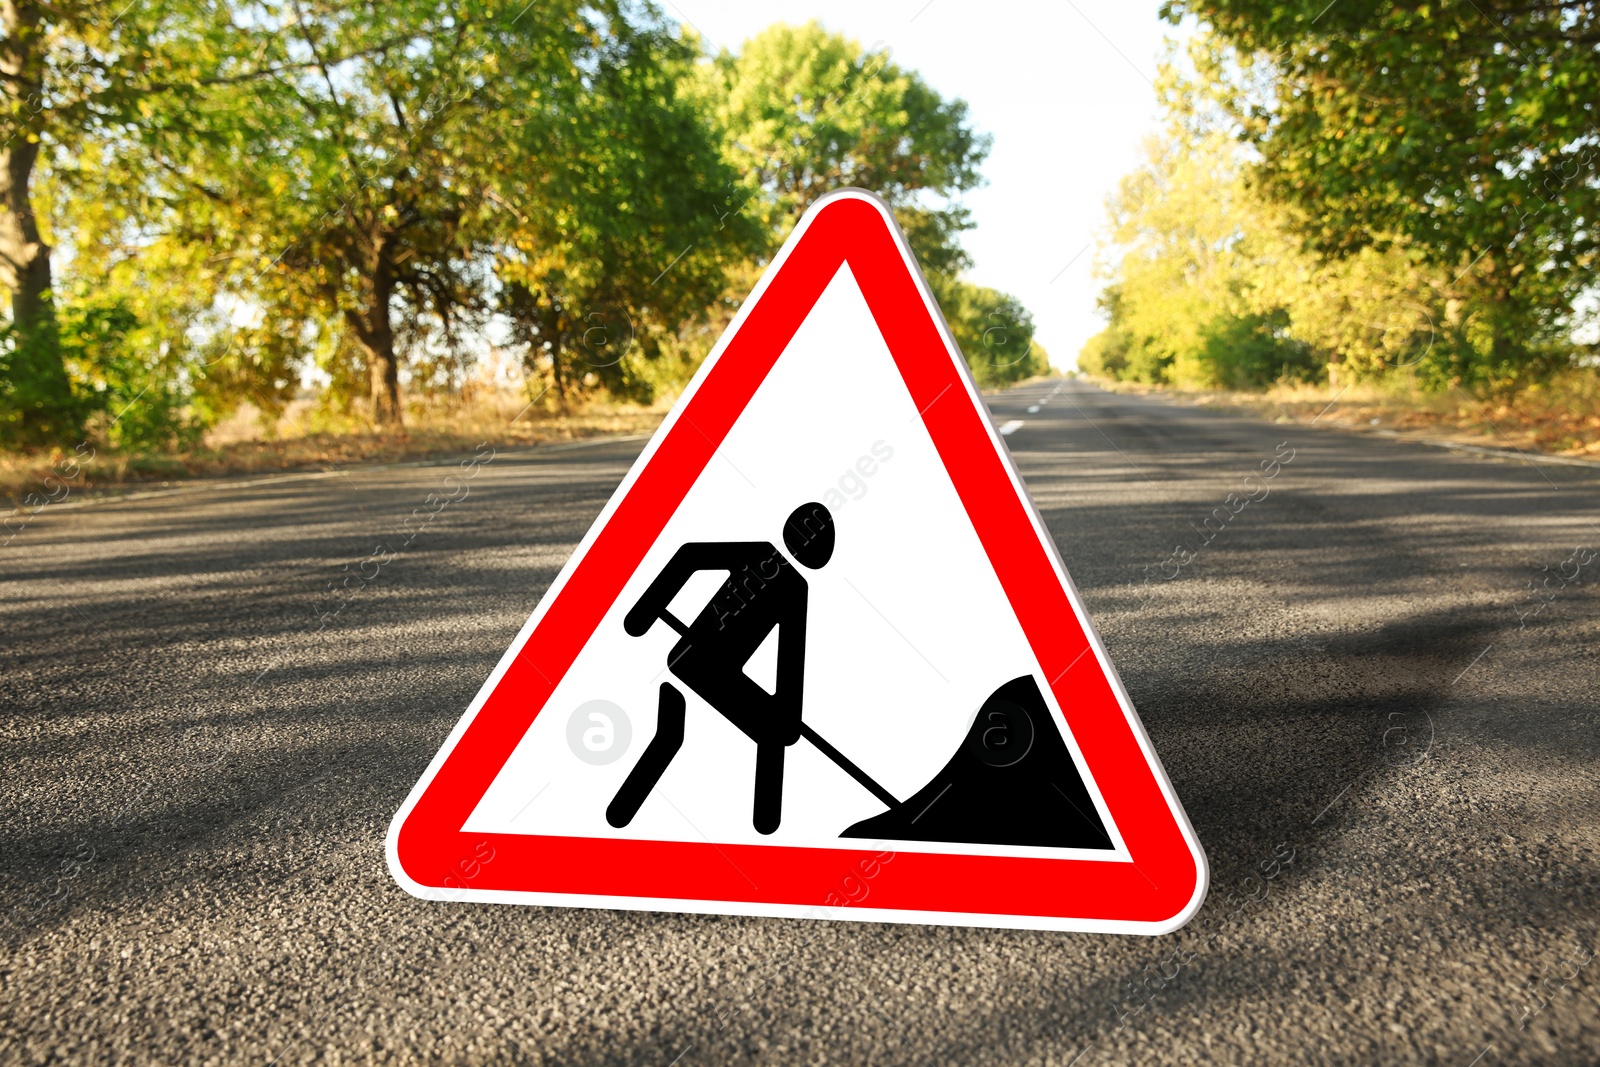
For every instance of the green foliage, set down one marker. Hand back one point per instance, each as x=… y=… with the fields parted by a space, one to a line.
x=1105 y=355
x=1197 y=297
x=127 y=389
x=134 y=390
x=633 y=245
x=1217 y=280
x=74 y=71
x=363 y=189
x=1250 y=350
x=140 y=330
x=805 y=111
x=1462 y=131
x=253 y=195
x=36 y=399
x=993 y=330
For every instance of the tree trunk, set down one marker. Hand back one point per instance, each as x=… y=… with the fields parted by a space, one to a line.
x=41 y=394
x=385 y=376
x=558 y=379
x=374 y=329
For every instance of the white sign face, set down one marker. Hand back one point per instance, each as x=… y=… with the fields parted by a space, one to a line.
x=819 y=630
x=906 y=619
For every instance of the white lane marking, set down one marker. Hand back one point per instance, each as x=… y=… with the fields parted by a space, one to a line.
x=1034 y=410
x=1011 y=427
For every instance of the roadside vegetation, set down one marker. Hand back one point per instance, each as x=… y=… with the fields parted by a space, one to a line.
x=252 y=234
x=1393 y=203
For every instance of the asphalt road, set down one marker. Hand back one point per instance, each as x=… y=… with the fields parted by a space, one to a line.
x=197 y=779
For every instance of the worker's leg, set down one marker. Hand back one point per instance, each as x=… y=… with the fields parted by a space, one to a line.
x=653 y=764
x=769 y=787
x=768 y=719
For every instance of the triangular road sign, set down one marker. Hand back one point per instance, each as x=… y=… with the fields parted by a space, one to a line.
x=817 y=657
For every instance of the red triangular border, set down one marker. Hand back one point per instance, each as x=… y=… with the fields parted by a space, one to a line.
x=1158 y=891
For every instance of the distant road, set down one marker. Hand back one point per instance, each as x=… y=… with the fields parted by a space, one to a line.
x=1351 y=673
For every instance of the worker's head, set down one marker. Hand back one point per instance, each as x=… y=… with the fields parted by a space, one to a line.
x=808 y=535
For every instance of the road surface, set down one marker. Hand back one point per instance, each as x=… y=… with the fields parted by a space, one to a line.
x=1353 y=686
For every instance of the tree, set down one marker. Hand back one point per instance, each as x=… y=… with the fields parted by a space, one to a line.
x=381 y=188
x=1209 y=285
x=993 y=330
x=1184 y=302
x=365 y=190
x=69 y=72
x=84 y=87
x=641 y=244
x=806 y=111
x=1465 y=129
x=149 y=351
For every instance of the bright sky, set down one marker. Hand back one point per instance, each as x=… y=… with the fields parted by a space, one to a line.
x=1066 y=92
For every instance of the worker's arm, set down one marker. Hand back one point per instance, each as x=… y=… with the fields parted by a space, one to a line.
x=695 y=556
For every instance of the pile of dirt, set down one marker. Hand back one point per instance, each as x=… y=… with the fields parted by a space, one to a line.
x=1012 y=782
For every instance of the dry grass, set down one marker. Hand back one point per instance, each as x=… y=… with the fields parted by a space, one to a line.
x=306 y=438
x=300 y=441
x=1559 y=418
